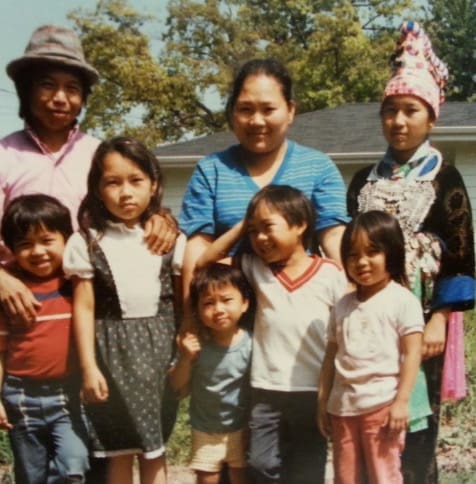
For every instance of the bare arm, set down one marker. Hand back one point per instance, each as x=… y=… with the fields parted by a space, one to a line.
x=202 y=249
x=196 y=245
x=325 y=384
x=94 y=384
x=330 y=240
x=180 y=373
x=434 y=335
x=17 y=300
x=411 y=346
x=4 y=423
x=220 y=247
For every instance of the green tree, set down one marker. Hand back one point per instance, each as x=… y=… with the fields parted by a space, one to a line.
x=337 y=51
x=136 y=94
x=452 y=28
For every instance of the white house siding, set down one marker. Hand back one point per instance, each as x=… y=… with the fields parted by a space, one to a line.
x=176 y=180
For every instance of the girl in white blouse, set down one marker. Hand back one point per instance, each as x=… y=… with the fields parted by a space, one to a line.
x=124 y=344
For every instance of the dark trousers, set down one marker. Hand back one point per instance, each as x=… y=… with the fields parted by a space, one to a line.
x=419 y=457
x=285 y=443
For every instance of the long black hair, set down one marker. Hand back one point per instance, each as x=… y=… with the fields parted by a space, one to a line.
x=92 y=212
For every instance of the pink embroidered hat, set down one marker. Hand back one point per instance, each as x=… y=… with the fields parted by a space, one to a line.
x=417 y=71
x=53 y=45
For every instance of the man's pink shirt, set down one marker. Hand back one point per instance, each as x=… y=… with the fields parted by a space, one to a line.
x=27 y=166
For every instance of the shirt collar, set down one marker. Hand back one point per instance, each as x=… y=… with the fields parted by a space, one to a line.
x=73 y=132
x=423 y=165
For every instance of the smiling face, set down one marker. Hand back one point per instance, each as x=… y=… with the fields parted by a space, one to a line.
x=41 y=252
x=261 y=116
x=406 y=123
x=220 y=308
x=366 y=266
x=125 y=189
x=55 y=102
x=272 y=238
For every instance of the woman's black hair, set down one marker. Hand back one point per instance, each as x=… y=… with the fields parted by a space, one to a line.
x=292 y=204
x=385 y=234
x=32 y=212
x=30 y=74
x=269 y=67
x=92 y=211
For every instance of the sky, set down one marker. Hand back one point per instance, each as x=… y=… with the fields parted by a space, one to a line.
x=19 y=18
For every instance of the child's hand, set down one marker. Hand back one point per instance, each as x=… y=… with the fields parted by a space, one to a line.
x=190 y=347
x=434 y=336
x=323 y=420
x=4 y=423
x=95 y=389
x=397 y=418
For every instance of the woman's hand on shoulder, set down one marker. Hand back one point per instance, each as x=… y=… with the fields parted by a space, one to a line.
x=160 y=233
x=95 y=389
x=17 y=300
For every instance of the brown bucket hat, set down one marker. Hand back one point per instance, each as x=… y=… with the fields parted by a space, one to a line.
x=53 y=45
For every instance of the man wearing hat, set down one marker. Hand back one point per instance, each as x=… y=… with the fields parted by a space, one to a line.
x=51 y=155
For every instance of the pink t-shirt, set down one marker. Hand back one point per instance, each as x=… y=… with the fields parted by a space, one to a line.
x=27 y=166
x=367 y=363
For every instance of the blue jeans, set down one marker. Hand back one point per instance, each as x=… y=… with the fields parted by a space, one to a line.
x=49 y=435
x=285 y=443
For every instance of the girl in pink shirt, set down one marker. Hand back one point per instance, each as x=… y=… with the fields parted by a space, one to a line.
x=372 y=356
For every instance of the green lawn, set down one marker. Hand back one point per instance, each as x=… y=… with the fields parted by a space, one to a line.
x=458 y=435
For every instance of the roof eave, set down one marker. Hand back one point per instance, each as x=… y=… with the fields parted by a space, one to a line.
x=456 y=134
x=439 y=134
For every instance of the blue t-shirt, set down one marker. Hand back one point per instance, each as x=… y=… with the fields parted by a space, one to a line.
x=220 y=189
x=220 y=387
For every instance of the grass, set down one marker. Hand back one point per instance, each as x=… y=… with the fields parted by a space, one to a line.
x=458 y=426
x=458 y=420
x=178 y=447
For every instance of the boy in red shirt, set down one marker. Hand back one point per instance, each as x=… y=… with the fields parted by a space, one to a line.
x=40 y=405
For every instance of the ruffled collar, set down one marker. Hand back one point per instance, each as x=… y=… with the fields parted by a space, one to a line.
x=123 y=228
x=424 y=165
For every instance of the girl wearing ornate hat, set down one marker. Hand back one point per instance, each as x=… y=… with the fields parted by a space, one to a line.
x=427 y=195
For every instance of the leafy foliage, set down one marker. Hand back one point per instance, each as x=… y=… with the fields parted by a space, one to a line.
x=337 y=51
x=452 y=27
x=136 y=95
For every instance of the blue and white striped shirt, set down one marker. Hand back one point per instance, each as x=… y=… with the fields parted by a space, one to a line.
x=220 y=189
